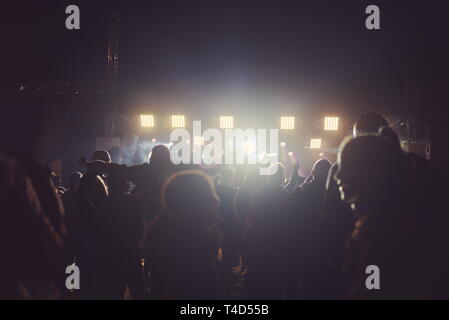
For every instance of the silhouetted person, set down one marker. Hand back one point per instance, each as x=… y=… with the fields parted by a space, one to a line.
x=337 y=220
x=91 y=191
x=269 y=238
x=228 y=220
x=390 y=135
x=313 y=271
x=72 y=218
x=183 y=242
x=148 y=177
x=295 y=179
x=31 y=244
x=337 y=223
x=397 y=228
x=71 y=209
x=369 y=122
x=121 y=230
x=41 y=178
x=242 y=204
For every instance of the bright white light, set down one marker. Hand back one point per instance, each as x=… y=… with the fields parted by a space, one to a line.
x=315 y=143
x=287 y=123
x=226 y=122
x=147 y=120
x=198 y=141
x=283 y=144
x=178 y=121
x=290 y=154
x=331 y=123
x=249 y=147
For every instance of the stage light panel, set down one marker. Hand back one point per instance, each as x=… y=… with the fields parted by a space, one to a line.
x=287 y=123
x=315 y=143
x=331 y=123
x=226 y=122
x=147 y=120
x=178 y=121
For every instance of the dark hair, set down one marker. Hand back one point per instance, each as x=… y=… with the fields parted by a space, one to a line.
x=102 y=155
x=373 y=153
x=188 y=191
x=390 y=135
x=160 y=155
x=370 y=122
x=321 y=169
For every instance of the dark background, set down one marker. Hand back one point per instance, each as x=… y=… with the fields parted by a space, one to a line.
x=250 y=58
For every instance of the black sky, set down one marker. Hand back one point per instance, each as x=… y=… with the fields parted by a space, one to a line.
x=312 y=55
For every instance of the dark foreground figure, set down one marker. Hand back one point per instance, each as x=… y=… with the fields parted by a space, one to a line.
x=402 y=220
x=183 y=242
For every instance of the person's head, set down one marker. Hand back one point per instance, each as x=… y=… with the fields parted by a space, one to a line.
x=101 y=155
x=369 y=122
x=320 y=170
x=370 y=169
x=118 y=184
x=390 y=135
x=160 y=155
x=74 y=180
x=190 y=194
x=278 y=178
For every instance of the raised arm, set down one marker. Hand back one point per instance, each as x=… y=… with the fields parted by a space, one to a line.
x=133 y=173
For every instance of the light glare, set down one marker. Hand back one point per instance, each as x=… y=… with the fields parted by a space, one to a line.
x=198 y=141
x=315 y=143
x=331 y=123
x=287 y=123
x=226 y=122
x=178 y=121
x=147 y=120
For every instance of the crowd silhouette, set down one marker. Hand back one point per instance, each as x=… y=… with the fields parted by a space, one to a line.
x=161 y=231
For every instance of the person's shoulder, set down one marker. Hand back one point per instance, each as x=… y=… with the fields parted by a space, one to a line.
x=144 y=165
x=90 y=177
x=424 y=166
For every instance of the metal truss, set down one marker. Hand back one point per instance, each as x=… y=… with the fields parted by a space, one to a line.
x=52 y=88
